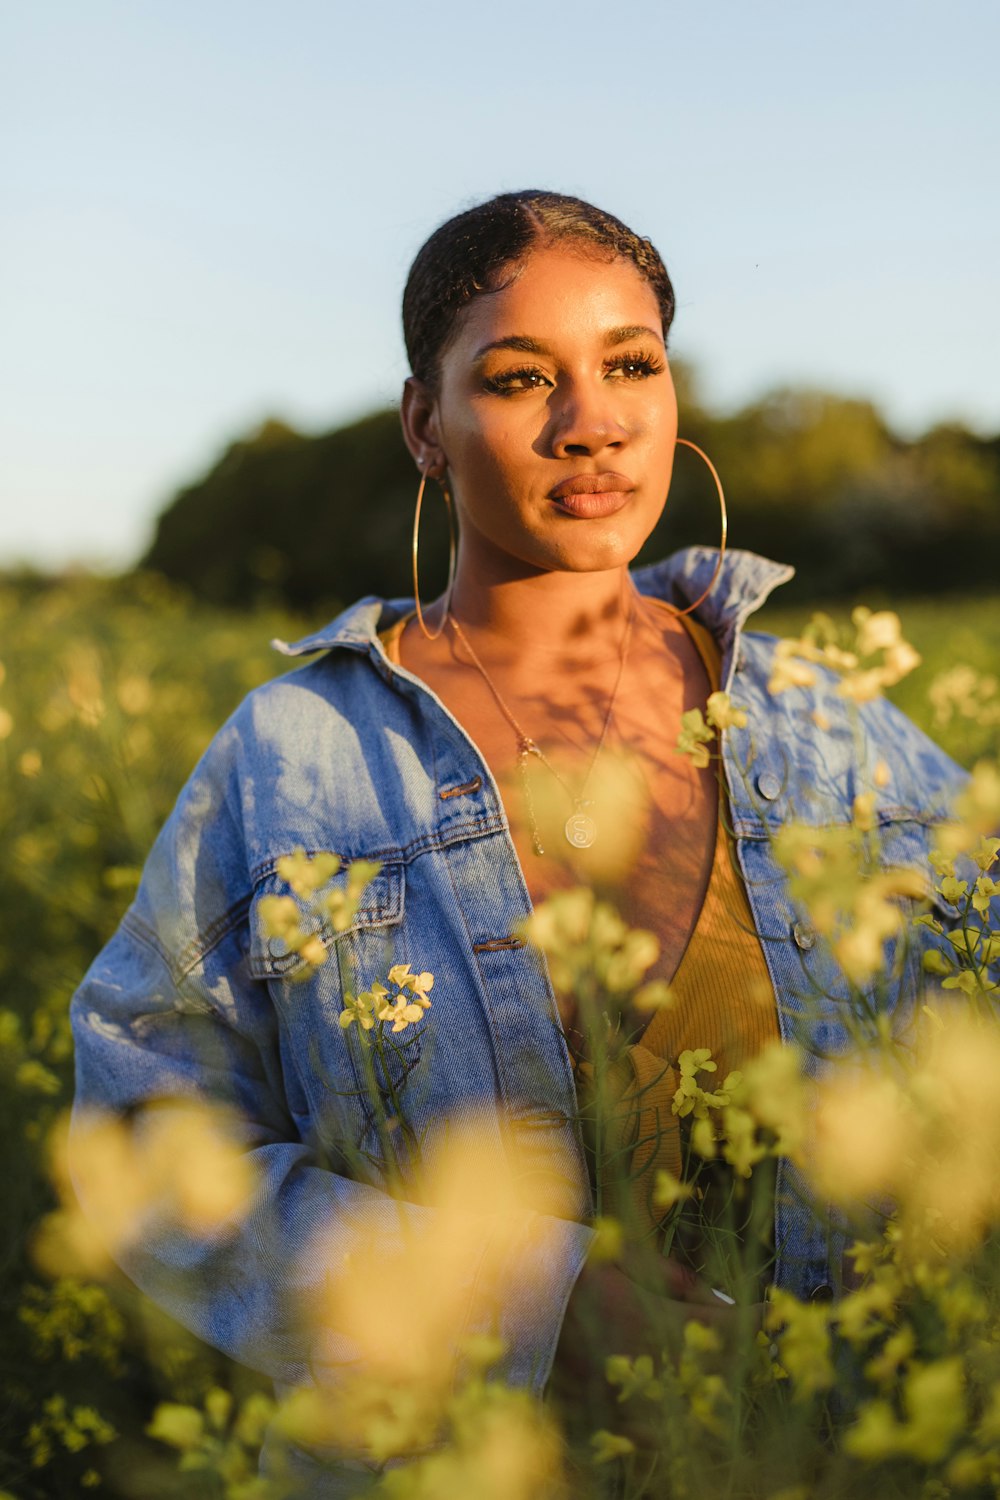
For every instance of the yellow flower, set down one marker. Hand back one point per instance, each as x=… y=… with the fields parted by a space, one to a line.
x=986 y=852
x=279 y=916
x=181 y=1426
x=775 y=1091
x=609 y=1239
x=875 y=1435
x=636 y=1377
x=741 y=1148
x=694 y=737
x=306 y=874
x=865 y=1313
x=864 y=811
x=656 y=995
x=883 y=1368
x=934 y=1399
x=609 y=1445
x=401 y=1012
x=985 y=890
x=723 y=713
x=803 y=1341
x=357 y=1008
x=941 y=863
x=703 y=1139
x=953 y=890
x=788 y=673
x=668 y=1190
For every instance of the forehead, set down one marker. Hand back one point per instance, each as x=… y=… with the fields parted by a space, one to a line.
x=557 y=294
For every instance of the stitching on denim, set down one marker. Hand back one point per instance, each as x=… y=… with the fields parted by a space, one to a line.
x=199 y=948
x=147 y=935
x=463 y=829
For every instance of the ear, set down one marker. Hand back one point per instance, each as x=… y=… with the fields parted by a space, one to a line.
x=418 y=414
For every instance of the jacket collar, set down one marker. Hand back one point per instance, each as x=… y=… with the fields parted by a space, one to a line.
x=745 y=581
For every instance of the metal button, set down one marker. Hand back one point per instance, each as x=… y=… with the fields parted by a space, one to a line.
x=804 y=936
x=768 y=785
x=822 y=1293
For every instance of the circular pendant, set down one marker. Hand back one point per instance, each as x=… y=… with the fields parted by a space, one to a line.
x=581 y=830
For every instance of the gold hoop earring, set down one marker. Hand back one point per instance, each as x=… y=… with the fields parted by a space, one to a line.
x=451 y=556
x=725 y=529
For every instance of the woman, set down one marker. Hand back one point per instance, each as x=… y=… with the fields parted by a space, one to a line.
x=437 y=744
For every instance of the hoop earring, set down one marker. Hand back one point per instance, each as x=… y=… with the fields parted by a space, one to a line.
x=451 y=556
x=725 y=529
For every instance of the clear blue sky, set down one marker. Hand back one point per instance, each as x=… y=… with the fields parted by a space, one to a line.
x=209 y=209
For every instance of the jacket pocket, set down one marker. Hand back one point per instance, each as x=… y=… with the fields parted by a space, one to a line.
x=381 y=906
x=309 y=998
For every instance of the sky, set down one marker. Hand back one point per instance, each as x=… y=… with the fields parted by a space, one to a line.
x=209 y=209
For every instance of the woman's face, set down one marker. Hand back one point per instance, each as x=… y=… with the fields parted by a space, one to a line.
x=557 y=416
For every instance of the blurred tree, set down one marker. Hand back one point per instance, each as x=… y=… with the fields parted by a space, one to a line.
x=814 y=479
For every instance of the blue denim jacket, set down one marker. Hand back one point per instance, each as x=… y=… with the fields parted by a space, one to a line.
x=351 y=753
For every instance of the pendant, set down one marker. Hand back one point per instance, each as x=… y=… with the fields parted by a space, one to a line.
x=581 y=830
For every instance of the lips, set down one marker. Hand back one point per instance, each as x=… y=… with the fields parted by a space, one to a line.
x=589 y=496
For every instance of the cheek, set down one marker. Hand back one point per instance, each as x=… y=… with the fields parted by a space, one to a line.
x=494 y=443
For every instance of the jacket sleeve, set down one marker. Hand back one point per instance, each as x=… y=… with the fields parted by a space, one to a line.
x=169 y=1011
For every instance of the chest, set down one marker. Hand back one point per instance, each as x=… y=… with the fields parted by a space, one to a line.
x=608 y=803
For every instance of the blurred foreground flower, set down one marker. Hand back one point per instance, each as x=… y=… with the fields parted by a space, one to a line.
x=698 y=731
x=922 y=1130
x=588 y=945
x=871 y=658
x=411 y=1313
x=182 y=1162
x=857 y=909
x=616 y=795
x=297 y=921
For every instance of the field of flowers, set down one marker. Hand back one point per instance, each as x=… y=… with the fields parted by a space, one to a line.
x=109 y=691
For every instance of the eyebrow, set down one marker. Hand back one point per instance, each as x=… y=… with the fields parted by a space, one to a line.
x=523 y=344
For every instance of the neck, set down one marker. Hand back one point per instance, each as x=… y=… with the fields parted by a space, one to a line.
x=575 y=617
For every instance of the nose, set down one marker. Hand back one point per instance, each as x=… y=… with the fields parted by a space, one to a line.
x=584 y=422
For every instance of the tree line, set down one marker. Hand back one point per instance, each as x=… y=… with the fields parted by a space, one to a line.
x=811 y=478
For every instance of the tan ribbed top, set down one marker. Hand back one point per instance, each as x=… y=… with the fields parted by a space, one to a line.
x=722 y=1000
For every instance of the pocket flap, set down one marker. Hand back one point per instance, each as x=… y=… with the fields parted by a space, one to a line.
x=381 y=906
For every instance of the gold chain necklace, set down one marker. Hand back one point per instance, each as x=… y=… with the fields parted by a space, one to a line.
x=580 y=827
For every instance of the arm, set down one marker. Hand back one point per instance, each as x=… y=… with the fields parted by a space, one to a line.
x=169 y=1011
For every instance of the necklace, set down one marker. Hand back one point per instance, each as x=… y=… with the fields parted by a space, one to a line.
x=580 y=827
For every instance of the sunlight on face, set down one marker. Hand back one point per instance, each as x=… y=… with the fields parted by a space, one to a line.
x=561 y=376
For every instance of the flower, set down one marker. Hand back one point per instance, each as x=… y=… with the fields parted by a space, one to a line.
x=418 y=984
x=306 y=874
x=609 y=1445
x=694 y=737
x=359 y=1008
x=401 y=1012
x=636 y=1377
x=804 y=1341
x=723 y=713
x=668 y=1190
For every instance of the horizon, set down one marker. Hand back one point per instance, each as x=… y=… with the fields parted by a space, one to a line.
x=212 y=213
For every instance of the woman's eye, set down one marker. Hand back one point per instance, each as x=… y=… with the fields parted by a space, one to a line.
x=634 y=366
x=515 y=380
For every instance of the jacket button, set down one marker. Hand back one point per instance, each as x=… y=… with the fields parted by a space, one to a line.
x=768 y=785
x=821 y=1293
x=804 y=936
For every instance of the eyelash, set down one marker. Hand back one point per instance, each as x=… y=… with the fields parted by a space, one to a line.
x=501 y=385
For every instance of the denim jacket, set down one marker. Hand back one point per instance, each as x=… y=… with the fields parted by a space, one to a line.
x=351 y=753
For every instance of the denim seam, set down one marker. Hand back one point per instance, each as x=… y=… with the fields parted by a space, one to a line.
x=458 y=832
